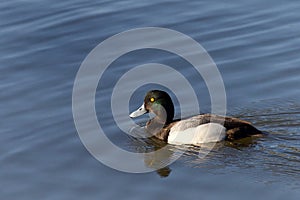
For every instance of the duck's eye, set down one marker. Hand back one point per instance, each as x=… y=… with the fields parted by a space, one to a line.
x=152 y=99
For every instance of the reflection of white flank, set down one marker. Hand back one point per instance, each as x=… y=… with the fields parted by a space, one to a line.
x=205 y=133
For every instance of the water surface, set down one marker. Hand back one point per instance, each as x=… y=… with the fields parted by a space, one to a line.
x=255 y=45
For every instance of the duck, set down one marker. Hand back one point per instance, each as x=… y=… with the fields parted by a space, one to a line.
x=202 y=128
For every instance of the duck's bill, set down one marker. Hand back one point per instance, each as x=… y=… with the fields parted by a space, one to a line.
x=138 y=112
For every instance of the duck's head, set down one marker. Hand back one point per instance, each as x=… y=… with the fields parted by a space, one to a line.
x=159 y=103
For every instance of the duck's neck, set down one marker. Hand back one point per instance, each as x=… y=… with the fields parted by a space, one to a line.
x=164 y=113
x=162 y=120
x=163 y=117
x=156 y=127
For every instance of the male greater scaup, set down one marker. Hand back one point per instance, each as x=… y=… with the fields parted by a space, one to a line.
x=194 y=130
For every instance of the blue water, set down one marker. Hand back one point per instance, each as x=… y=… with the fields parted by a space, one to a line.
x=255 y=45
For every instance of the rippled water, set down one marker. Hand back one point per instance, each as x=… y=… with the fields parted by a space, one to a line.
x=255 y=45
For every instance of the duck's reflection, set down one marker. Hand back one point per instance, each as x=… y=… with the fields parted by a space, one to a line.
x=158 y=154
x=164 y=172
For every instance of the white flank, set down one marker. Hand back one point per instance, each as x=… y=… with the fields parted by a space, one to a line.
x=205 y=133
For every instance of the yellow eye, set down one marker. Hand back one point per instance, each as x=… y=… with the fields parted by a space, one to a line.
x=152 y=99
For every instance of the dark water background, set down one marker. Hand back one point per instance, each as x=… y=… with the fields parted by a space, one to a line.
x=255 y=44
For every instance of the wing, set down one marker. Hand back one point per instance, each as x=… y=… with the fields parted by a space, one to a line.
x=236 y=128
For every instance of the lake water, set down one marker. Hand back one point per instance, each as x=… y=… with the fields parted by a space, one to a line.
x=255 y=44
